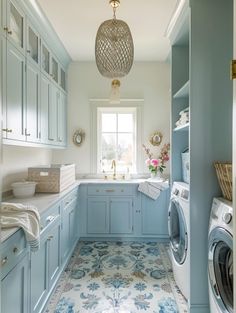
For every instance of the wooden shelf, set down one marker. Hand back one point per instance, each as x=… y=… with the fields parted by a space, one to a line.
x=182 y=128
x=183 y=92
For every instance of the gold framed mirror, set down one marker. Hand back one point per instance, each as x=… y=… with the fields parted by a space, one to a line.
x=78 y=137
x=156 y=138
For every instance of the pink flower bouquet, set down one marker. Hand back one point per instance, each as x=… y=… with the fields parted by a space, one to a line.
x=155 y=165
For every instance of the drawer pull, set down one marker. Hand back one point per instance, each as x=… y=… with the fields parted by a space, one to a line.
x=122 y=190
x=97 y=190
x=4 y=261
x=110 y=190
x=15 y=250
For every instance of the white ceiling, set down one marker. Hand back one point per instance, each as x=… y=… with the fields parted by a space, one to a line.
x=76 y=23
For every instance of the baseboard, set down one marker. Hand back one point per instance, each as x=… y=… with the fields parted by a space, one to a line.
x=199 y=308
x=150 y=239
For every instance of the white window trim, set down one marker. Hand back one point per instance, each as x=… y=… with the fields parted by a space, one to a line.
x=126 y=103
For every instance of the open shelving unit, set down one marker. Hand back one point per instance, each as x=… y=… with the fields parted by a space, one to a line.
x=200 y=81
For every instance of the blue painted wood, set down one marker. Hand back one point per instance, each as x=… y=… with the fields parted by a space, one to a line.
x=33 y=44
x=62 y=119
x=155 y=215
x=15 y=288
x=45 y=88
x=15 y=93
x=98 y=215
x=54 y=257
x=52 y=114
x=121 y=215
x=68 y=233
x=32 y=125
x=210 y=133
x=39 y=276
x=15 y=20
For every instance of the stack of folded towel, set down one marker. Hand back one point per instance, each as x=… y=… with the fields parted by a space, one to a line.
x=184 y=118
x=153 y=189
x=24 y=216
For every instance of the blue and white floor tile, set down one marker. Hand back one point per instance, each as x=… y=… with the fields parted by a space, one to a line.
x=118 y=277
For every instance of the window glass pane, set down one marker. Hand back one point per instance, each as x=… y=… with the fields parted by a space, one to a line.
x=108 y=122
x=108 y=151
x=45 y=59
x=125 y=122
x=16 y=25
x=125 y=151
x=33 y=45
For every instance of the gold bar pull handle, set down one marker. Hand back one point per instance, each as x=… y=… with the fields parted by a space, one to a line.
x=233 y=69
x=110 y=190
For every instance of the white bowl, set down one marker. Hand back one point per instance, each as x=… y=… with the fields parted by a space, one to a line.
x=24 y=189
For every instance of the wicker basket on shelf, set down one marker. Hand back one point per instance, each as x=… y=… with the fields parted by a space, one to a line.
x=224 y=175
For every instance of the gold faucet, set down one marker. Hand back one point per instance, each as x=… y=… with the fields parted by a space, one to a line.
x=113 y=166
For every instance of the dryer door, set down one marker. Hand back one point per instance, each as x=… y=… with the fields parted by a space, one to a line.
x=177 y=231
x=220 y=268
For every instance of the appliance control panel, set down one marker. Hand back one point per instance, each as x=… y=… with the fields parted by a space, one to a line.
x=185 y=194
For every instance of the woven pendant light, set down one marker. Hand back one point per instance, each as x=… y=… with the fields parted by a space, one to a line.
x=114 y=48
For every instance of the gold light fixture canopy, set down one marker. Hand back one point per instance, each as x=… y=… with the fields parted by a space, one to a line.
x=114 y=48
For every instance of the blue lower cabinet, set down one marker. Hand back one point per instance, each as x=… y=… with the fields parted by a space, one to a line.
x=121 y=215
x=98 y=215
x=45 y=266
x=68 y=229
x=154 y=215
x=15 y=288
x=54 y=259
x=38 y=276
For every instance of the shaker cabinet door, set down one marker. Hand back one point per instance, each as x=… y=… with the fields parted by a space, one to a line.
x=15 y=289
x=32 y=104
x=38 y=277
x=52 y=114
x=98 y=215
x=15 y=94
x=54 y=258
x=45 y=89
x=121 y=215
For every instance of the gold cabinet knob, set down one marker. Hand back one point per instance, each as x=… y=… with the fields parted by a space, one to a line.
x=5 y=28
x=9 y=32
x=7 y=130
x=50 y=237
x=4 y=261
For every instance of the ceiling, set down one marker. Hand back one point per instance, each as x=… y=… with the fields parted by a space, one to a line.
x=76 y=23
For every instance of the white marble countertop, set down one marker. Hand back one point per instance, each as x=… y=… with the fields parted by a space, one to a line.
x=45 y=200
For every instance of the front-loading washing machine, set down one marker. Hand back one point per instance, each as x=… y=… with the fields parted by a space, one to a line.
x=178 y=225
x=220 y=257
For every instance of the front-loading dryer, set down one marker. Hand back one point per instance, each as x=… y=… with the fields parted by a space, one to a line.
x=178 y=225
x=220 y=257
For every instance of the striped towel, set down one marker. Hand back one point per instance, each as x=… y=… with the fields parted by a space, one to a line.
x=152 y=189
x=24 y=216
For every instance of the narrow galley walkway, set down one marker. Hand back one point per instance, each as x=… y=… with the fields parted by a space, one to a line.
x=118 y=277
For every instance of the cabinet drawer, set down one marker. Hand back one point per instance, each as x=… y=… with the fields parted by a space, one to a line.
x=70 y=197
x=106 y=190
x=12 y=251
x=49 y=217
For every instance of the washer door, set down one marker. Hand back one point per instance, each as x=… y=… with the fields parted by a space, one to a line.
x=177 y=231
x=220 y=268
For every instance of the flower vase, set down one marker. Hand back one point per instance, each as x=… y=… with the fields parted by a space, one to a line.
x=156 y=175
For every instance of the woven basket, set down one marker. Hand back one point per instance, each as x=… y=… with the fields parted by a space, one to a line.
x=224 y=175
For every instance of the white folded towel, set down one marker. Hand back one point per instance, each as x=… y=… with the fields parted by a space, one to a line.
x=152 y=189
x=24 y=216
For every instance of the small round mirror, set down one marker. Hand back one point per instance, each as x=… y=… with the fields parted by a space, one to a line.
x=156 y=139
x=78 y=137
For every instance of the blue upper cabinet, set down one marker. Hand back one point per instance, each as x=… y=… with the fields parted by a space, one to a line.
x=33 y=77
x=14 y=94
x=15 y=24
x=33 y=44
x=32 y=104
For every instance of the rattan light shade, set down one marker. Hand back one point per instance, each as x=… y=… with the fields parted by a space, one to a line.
x=114 y=49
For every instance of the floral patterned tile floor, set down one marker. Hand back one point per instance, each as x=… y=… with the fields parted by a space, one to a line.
x=118 y=277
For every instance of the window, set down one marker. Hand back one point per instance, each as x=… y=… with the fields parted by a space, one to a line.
x=116 y=139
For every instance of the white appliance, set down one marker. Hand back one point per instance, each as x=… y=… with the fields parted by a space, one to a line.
x=220 y=256
x=178 y=225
